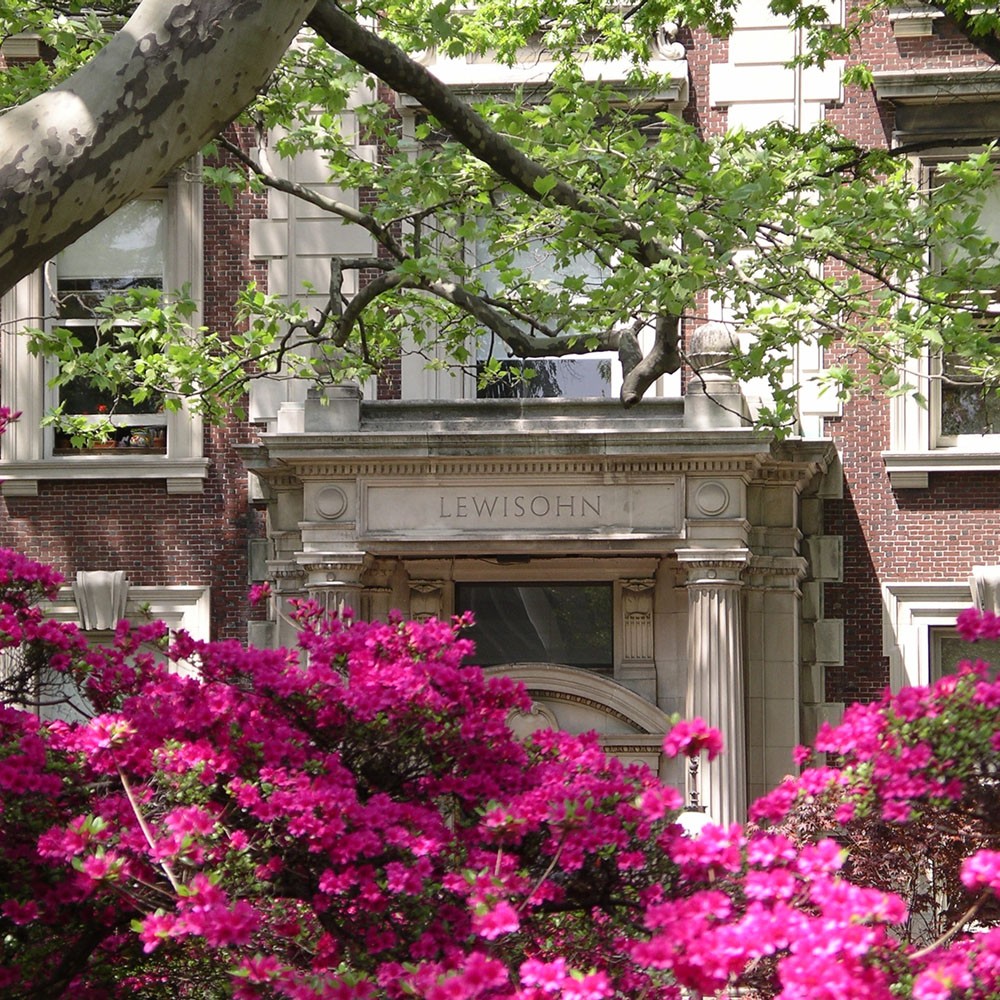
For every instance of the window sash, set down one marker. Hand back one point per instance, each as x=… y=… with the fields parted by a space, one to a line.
x=568 y=623
x=965 y=411
x=128 y=250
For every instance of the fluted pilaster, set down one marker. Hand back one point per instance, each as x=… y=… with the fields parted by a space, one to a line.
x=716 y=685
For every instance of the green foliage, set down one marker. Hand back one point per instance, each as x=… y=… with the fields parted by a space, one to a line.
x=803 y=236
x=69 y=33
x=83 y=430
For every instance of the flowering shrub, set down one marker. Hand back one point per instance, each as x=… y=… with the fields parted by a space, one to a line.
x=353 y=819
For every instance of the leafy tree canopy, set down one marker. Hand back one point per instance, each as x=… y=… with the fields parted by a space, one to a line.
x=807 y=237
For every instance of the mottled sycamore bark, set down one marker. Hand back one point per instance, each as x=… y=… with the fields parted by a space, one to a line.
x=177 y=73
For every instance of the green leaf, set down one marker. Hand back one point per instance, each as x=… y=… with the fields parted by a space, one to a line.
x=543 y=185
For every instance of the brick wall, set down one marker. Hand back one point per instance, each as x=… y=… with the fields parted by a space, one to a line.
x=134 y=525
x=928 y=535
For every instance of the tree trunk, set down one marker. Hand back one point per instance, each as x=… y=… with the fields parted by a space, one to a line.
x=170 y=80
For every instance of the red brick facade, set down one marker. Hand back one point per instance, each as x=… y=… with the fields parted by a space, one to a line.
x=888 y=534
x=135 y=525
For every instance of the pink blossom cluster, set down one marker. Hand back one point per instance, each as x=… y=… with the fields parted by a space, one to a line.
x=691 y=737
x=7 y=416
x=353 y=818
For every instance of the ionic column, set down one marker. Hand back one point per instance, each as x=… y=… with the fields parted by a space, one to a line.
x=715 y=688
x=334 y=581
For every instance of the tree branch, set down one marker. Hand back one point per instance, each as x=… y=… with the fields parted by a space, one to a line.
x=170 y=80
x=304 y=193
x=394 y=67
x=663 y=357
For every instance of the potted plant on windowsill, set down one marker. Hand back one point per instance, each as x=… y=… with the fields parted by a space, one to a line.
x=84 y=431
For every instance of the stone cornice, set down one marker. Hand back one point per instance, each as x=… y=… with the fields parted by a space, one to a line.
x=314 y=467
x=920 y=86
x=529 y=438
x=284 y=468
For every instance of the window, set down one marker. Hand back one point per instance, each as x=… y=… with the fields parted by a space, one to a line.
x=965 y=405
x=501 y=376
x=566 y=378
x=960 y=426
x=124 y=252
x=919 y=635
x=541 y=623
x=949 y=649
x=152 y=241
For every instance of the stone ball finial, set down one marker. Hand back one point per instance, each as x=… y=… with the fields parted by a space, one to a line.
x=710 y=347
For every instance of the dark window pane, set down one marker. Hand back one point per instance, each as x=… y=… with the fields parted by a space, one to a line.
x=948 y=650
x=967 y=405
x=559 y=623
x=81 y=396
x=79 y=296
x=568 y=378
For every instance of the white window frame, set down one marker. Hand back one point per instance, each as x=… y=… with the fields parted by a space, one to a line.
x=26 y=450
x=180 y=607
x=124 y=417
x=916 y=448
x=910 y=613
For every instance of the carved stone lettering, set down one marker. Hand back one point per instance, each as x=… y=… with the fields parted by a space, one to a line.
x=449 y=509
x=502 y=507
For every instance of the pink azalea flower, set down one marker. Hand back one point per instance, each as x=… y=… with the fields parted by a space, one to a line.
x=691 y=737
x=501 y=919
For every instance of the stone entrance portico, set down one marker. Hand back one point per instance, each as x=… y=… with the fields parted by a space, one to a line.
x=397 y=504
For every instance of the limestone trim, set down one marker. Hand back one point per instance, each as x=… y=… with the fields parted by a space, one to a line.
x=637 y=621
x=923 y=86
x=716 y=671
x=101 y=596
x=427 y=599
x=613 y=744
x=570 y=684
x=596 y=568
x=775 y=572
x=714 y=567
x=984 y=582
x=334 y=467
x=180 y=607
x=547 y=507
x=909 y=612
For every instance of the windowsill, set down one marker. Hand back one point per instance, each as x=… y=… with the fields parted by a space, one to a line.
x=115 y=453
x=182 y=475
x=910 y=470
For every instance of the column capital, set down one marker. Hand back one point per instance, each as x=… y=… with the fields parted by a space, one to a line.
x=333 y=579
x=714 y=567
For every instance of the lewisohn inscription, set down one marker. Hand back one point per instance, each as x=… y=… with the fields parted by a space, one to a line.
x=503 y=507
x=508 y=508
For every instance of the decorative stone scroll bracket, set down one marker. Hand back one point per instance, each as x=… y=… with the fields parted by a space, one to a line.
x=101 y=597
x=426 y=599
x=637 y=618
x=636 y=668
x=984 y=582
